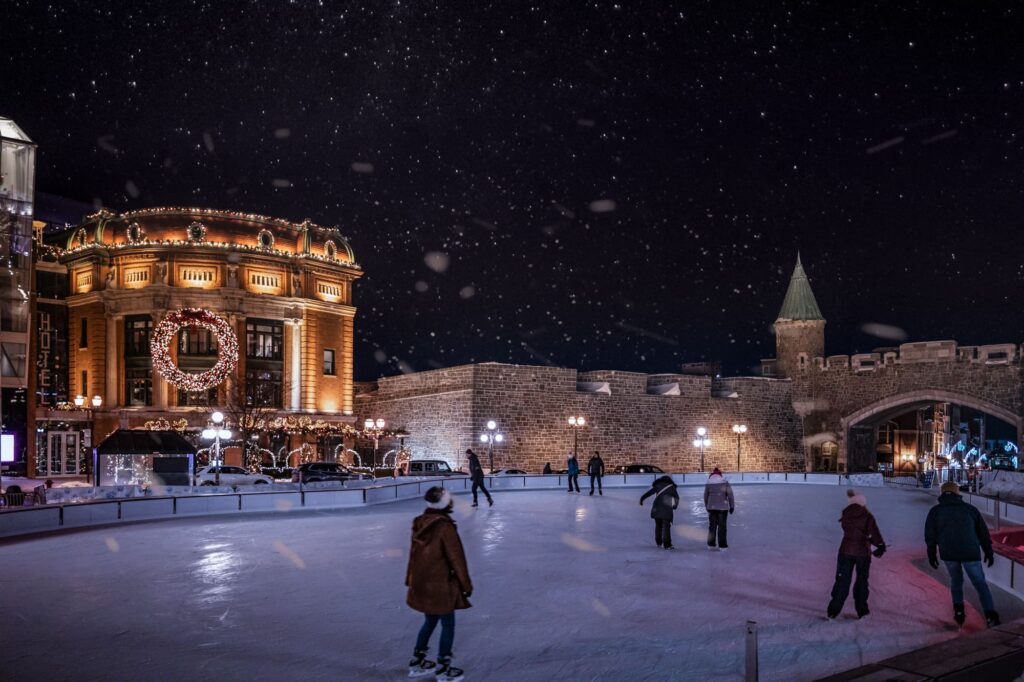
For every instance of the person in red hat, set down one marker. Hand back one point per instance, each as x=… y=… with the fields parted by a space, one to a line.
x=719 y=502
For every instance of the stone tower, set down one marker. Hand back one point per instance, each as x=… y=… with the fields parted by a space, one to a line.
x=800 y=328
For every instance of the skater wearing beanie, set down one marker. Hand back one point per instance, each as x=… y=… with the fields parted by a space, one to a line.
x=719 y=502
x=438 y=582
x=859 y=532
x=957 y=530
x=595 y=469
x=574 y=472
x=476 y=474
x=666 y=499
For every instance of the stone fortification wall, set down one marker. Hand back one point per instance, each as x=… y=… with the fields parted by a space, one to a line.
x=446 y=410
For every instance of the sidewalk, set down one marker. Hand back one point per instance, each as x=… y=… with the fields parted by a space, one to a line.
x=994 y=655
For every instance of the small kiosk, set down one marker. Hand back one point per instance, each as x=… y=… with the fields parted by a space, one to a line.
x=143 y=457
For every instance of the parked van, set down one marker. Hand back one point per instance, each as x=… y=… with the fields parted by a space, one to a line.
x=431 y=467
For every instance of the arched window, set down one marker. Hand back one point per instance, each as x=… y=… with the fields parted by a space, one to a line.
x=265 y=239
x=330 y=250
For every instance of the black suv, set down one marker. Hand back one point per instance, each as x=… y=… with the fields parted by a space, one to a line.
x=637 y=469
x=311 y=472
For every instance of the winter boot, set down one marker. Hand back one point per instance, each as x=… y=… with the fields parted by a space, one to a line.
x=419 y=666
x=446 y=673
x=861 y=615
x=958 y=614
x=992 y=618
x=490 y=502
x=474 y=505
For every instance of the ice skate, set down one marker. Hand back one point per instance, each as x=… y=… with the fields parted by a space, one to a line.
x=958 y=615
x=419 y=666
x=490 y=502
x=992 y=619
x=446 y=673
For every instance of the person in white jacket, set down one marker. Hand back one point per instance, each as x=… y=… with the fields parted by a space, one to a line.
x=719 y=502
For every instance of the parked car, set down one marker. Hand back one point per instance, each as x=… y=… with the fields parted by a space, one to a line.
x=230 y=475
x=637 y=469
x=312 y=472
x=507 y=472
x=431 y=467
x=1002 y=463
x=277 y=472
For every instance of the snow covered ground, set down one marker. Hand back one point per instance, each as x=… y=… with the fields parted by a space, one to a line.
x=567 y=587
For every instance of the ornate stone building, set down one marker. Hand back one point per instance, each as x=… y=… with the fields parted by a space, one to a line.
x=284 y=288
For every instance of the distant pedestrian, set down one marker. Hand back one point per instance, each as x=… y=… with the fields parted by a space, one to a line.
x=959 y=533
x=719 y=503
x=574 y=473
x=438 y=582
x=595 y=469
x=860 y=532
x=476 y=474
x=666 y=499
x=547 y=469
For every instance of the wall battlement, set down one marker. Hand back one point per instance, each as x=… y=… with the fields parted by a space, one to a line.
x=920 y=352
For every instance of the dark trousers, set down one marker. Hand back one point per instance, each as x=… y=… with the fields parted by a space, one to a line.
x=480 y=485
x=718 y=530
x=574 y=478
x=447 y=634
x=663 y=532
x=598 y=479
x=841 y=589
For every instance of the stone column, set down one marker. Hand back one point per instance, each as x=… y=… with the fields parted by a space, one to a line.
x=295 y=365
x=114 y=322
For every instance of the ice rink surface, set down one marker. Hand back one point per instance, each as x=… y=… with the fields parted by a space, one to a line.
x=568 y=587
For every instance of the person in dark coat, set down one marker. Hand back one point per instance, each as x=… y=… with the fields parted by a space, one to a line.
x=719 y=503
x=595 y=469
x=666 y=499
x=547 y=469
x=860 y=532
x=476 y=474
x=573 y=472
x=960 y=535
x=438 y=582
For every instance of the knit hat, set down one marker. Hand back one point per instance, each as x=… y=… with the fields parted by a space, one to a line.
x=950 y=487
x=856 y=498
x=716 y=471
x=438 y=498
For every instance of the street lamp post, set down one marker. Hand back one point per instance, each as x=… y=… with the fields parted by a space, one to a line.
x=702 y=441
x=215 y=433
x=491 y=436
x=374 y=428
x=97 y=403
x=739 y=430
x=576 y=423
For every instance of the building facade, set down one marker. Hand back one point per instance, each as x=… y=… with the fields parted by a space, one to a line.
x=285 y=290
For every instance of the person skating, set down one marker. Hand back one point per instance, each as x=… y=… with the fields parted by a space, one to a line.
x=438 y=582
x=719 y=503
x=959 y=533
x=476 y=474
x=595 y=469
x=860 y=532
x=666 y=499
x=547 y=469
x=574 y=472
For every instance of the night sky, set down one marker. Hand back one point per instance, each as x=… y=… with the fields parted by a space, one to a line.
x=597 y=185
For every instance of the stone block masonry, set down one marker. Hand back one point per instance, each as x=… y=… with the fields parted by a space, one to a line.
x=446 y=411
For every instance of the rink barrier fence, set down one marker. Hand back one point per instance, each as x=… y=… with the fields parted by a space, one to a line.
x=70 y=515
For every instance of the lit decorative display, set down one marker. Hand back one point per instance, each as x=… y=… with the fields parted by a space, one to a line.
x=227 y=348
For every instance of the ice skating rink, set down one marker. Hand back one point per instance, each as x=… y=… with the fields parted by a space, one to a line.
x=568 y=587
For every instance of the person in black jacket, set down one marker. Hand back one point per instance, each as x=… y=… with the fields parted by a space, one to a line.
x=476 y=474
x=959 y=533
x=595 y=469
x=666 y=499
x=860 y=532
x=547 y=469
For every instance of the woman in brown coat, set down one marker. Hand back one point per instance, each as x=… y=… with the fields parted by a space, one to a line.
x=438 y=582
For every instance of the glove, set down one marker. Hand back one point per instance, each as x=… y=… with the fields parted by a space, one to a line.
x=731 y=510
x=467 y=595
x=641 y=503
x=879 y=551
x=932 y=561
x=989 y=560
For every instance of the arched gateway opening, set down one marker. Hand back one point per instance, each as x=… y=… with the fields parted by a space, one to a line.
x=918 y=431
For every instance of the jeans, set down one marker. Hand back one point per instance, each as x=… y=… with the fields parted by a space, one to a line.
x=841 y=589
x=480 y=486
x=663 y=532
x=718 y=531
x=598 y=479
x=574 y=478
x=976 y=574
x=447 y=634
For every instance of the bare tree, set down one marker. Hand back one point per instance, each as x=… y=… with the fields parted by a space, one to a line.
x=250 y=420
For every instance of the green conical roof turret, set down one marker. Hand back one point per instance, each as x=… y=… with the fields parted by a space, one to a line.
x=800 y=303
